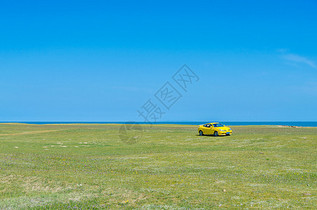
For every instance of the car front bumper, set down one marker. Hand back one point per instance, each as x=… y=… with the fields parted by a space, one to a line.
x=224 y=132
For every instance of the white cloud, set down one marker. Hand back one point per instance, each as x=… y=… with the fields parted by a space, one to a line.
x=299 y=59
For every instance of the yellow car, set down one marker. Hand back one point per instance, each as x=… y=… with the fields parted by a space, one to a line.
x=215 y=129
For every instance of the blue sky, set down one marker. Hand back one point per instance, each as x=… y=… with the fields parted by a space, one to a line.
x=102 y=60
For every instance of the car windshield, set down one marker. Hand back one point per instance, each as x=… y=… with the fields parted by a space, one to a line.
x=218 y=125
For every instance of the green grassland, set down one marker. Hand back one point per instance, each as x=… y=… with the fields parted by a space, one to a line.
x=90 y=167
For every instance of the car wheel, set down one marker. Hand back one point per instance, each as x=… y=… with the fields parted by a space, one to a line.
x=215 y=133
x=201 y=133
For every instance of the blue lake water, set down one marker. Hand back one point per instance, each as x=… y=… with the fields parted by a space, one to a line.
x=302 y=124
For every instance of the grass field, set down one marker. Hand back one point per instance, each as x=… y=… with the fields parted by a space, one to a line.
x=88 y=166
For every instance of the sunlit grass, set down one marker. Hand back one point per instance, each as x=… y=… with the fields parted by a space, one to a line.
x=89 y=166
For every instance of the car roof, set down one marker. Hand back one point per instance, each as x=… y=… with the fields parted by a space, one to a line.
x=211 y=123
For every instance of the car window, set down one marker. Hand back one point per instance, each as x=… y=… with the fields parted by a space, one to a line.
x=217 y=125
